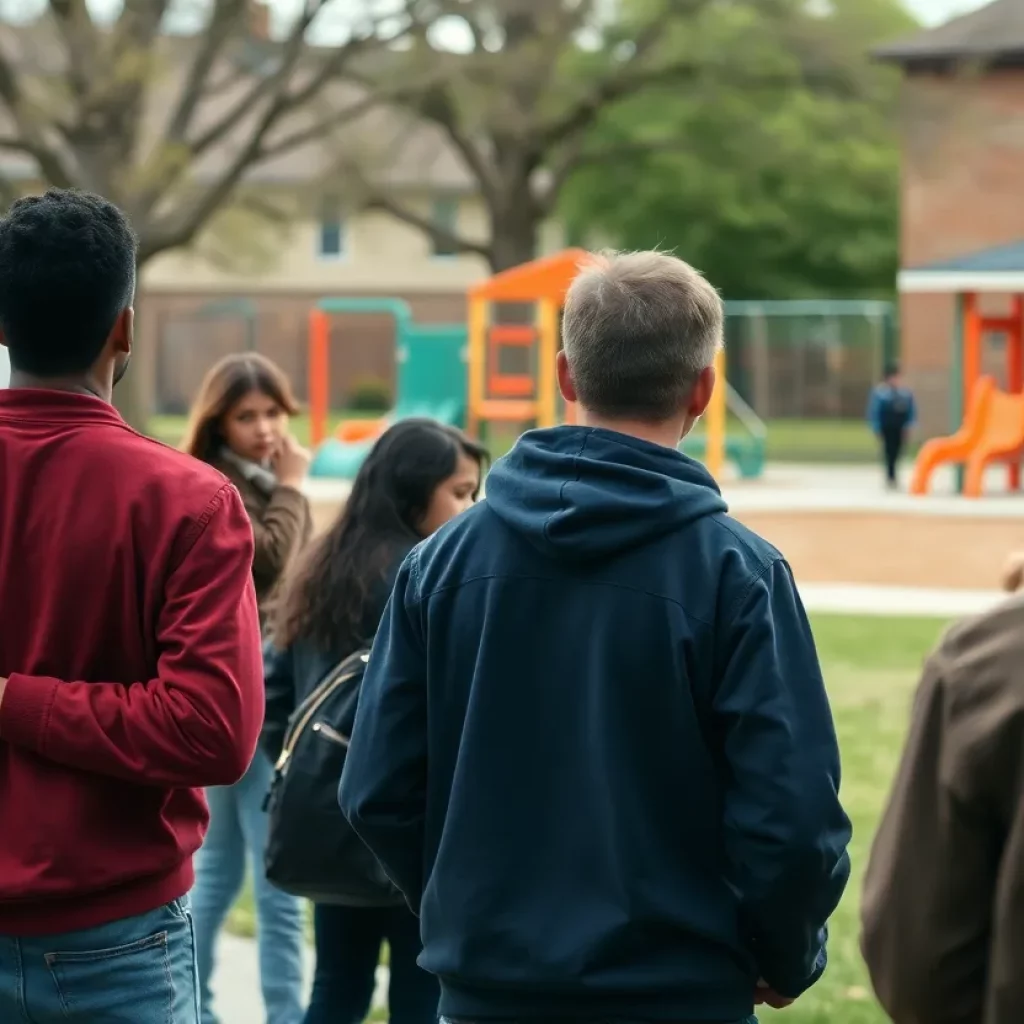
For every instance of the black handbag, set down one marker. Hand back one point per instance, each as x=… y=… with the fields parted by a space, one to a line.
x=312 y=851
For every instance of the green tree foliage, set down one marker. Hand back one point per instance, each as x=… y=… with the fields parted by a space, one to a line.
x=541 y=89
x=777 y=190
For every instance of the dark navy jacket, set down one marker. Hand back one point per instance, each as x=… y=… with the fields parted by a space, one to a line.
x=891 y=408
x=594 y=748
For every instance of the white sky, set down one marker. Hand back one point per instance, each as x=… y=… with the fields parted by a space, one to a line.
x=934 y=12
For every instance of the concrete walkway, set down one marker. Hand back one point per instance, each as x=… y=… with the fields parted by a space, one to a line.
x=865 y=599
x=236 y=984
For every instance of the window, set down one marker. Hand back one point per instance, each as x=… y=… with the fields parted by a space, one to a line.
x=332 y=231
x=445 y=215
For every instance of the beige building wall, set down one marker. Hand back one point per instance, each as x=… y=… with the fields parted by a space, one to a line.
x=380 y=254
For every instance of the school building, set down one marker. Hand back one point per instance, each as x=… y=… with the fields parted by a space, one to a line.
x=962 y=130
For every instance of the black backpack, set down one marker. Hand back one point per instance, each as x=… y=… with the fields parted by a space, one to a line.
x=896 y=410
x=312 y=851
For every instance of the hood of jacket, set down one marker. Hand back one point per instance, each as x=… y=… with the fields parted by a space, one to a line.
x=583 y=493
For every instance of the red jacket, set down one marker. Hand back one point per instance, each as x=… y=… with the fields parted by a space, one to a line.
x=130 y=636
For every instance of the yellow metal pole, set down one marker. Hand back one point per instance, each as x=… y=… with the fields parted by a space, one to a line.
x=476 y=364
x=714 y=419
x=547 y=352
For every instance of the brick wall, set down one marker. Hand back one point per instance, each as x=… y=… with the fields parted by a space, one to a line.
x=963 y=171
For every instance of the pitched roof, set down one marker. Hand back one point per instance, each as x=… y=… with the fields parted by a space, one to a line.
x=999 y=269
x=999 y=259
x=994 y=32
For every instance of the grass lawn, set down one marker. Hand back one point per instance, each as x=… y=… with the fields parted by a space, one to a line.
x=847 y=441
x=171 y=429
x=871 y=666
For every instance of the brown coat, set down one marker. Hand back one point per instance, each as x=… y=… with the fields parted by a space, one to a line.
x=943 y=904
x=281 y=526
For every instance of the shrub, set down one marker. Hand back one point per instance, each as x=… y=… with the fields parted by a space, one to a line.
x=370 y=394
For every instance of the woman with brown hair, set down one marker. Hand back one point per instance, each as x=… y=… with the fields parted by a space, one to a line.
x=239 y=424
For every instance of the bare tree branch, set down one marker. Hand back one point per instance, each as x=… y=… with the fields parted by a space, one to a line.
x=79 y=32
x=292 y=86
x=30 y=131
x=223 y=24
x=439 y=106
x=314 y=131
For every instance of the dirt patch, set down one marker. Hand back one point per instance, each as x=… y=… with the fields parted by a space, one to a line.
x=871 y=547
x=883 y=548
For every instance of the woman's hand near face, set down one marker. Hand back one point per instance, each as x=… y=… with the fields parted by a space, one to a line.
x=291 y=462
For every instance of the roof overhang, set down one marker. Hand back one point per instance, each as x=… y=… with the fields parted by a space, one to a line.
x=960 y=282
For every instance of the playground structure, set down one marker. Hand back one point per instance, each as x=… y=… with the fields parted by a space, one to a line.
x=430 y=372
x=529 y=395
x=988 y=423
x=532 y=397
x=459 y=374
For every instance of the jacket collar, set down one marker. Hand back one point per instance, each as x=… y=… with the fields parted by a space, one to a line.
x=259 y=476
x=53 y=406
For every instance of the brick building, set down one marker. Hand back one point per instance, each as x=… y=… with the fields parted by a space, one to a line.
x=962 y=121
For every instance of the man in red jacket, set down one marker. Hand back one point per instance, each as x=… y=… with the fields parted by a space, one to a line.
x=130 y=673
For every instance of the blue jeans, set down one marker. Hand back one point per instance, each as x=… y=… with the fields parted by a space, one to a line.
x=348 y=941
x=139 y=970
x=238 y=826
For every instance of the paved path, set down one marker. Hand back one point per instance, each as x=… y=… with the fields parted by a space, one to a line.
x=813 y=487
x=236 y=985
x=865 y=599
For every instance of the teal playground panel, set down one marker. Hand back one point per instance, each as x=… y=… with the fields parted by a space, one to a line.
x=746 y=453
x=745 y=445
x=430 y=379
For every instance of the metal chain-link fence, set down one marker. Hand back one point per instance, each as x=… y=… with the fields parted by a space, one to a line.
x=808 y=360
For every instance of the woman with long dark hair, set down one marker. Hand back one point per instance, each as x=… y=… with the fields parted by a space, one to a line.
x=418 y=475
x=239 y=425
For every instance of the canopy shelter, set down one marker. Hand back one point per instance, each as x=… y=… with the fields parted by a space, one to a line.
x=996 y=271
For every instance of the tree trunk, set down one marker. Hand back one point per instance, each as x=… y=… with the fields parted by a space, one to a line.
x=515 y=236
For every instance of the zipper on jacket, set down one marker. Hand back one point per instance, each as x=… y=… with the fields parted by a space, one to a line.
x=329 y=733
x=312 y=705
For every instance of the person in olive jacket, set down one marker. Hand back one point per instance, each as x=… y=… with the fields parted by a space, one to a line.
x=240 y=426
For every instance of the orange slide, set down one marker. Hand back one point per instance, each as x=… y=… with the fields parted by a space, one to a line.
x=992 y=431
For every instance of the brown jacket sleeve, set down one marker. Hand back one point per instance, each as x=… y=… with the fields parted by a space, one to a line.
x=930 y=935
x=280 y=529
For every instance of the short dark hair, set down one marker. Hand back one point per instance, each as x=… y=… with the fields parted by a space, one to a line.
x=892 y=370
x=67 y=270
